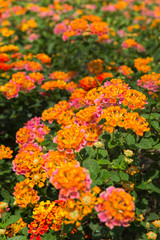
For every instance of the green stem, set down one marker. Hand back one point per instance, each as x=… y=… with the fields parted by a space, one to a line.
x=97 y=153
x=4 y=220
x=79 y=156
x=112 y=136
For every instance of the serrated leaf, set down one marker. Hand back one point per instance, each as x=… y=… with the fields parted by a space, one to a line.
x=112 y=144
x=103 y=153
x=145 y=143
x=93 y=226
x=148 y=186
x=144 y=201
x=143 y=185
x=144 y=236
x=91 y=165
x=130 y=139
x=103 y=161
x=5 y=194
x=49 y=236
x=152 y=216
x=124 y=176
x=25 y=231
x=147 y=134
x=151 y=101
x=18 y=238
x=93 y=175
x=90 y=151
x=77 y=236
x=153 y=188
x=103 y=120
x=157 y=146
x=104 y=175
x=114 y=176
x=121 y=158
x=98 y=181
x=152 y=174
x=105 y=136
x=155 y=124
x=66 y=228
x=50 y=47
x=145 y=115
x=154 y=115
x=12 y=219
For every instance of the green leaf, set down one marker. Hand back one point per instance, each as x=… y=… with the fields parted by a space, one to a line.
x=154 y=115
x=25 y=231
x=149 y=186
x=143 y=186
x=147 y=134
x=157 y=146
x=151 y=101
x=146 y=116
x=153 y=188
x=157 y=55
x=130 y=139
x=104 y=175
x=93 y=226
x=121 y=158
x=112 y=144
x=155 y=124
x=48 y=236
x=50 y=47
x=104 y=162
x=124 y=176
x=12 y=219
x=76 y=236
x=145 y=143
x=90 y=151
x=18 y=238
x=91 y=165
x=104 y=49
x=114 y=176
x=105 y=136
x=5 y=194
x=152 y=216
x=66 y=228
x=103 y=120
x=152 y=174
x=144 y=201
x=93 y=177
x=98 y=181
x=144 y=236
x=102 y=152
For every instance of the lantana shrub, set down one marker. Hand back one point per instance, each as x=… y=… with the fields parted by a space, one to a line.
x=80 y=90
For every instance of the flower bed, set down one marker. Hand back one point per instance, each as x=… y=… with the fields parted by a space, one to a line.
x=80 y=90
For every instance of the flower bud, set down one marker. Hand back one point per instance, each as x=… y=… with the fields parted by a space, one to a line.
x=149 y=180
x=98 y=144
x=2 y=231
x=128 y=160
x=3 y=205
x=147 y=225
x=128 y=153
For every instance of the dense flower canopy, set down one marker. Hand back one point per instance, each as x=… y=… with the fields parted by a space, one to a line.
x=80 y=90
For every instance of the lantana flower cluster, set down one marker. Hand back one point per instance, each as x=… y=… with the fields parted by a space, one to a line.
x=5 y=152
x=116 y=207
x=131 y=43
x=14 y=228
x=62 y=179
x=150 y=81
x=84 y=27
x=3 y=208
